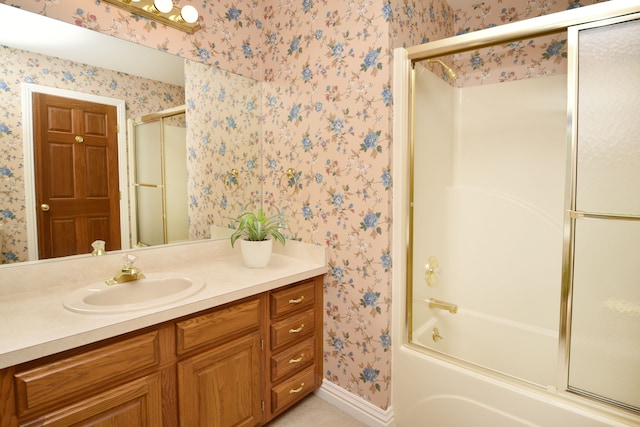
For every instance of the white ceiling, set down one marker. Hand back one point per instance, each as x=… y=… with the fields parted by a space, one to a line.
x=36 y=33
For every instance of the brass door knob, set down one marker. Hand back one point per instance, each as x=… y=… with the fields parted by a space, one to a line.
x=44 y=207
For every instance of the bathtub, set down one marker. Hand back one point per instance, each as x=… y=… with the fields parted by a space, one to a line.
x=521 y=350
x=432 y=390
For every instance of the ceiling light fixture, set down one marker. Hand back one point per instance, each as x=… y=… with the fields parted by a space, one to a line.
x=184 y=19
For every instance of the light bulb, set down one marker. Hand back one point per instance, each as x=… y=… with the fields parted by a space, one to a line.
x=164 y=6
x=189 y=14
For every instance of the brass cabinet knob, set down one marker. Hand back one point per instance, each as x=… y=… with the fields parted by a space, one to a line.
x=79 y=139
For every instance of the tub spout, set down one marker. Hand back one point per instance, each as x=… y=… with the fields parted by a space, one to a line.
x=443 y=305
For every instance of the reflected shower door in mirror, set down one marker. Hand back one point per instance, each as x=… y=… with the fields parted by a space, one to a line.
x=158 y=148
x=223 y=124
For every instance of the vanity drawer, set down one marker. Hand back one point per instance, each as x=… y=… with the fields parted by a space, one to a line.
x=292 y=299
x=292 y=360
x=294 y=389
x=76 y=376
x=217 y=326
x=292 y=328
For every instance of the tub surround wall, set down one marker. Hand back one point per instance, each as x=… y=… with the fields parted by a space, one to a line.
x=36 y=324
x=472 y=218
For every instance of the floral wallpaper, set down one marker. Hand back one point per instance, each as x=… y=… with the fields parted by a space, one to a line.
x=522 y=59
x=142 y=96
x=327 y=107
x=219 y=142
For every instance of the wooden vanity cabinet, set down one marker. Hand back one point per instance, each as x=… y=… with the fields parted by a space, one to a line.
x=222 y=385
x=293 y=345
x=240 y=364
x=119 y=382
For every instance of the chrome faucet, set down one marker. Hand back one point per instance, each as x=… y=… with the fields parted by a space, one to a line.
x=128 y=273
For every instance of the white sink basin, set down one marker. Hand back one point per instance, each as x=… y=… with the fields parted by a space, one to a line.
x=153 y=291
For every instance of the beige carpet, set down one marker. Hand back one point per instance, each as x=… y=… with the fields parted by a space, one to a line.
x=315 y=412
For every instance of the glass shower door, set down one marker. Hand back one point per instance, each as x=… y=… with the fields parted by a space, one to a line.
x=486 y=221
x=149 y=184
x=159 y=177
x=604 y=349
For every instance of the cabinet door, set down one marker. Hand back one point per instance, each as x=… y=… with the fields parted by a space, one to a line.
x=135 y=404
x=221 y=387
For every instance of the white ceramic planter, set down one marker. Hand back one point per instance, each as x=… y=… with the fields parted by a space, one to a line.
x=256 y=254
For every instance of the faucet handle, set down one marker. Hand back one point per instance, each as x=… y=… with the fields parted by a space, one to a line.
x=98 y=248
x=129 y=260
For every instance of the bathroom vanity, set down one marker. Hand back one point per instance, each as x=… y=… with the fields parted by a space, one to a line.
x=246 y=358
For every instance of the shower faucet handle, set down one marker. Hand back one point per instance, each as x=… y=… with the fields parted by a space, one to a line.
x=432 y=271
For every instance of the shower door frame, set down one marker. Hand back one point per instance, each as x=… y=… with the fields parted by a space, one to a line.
x=572 y=213
x=160 y=116
x=545 y=25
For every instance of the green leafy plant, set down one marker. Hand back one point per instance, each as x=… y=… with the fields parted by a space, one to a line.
x=257 y=227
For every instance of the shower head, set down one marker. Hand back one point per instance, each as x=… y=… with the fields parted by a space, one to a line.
x=452 y=74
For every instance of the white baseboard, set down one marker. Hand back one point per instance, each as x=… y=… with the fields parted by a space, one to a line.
x=355 y=406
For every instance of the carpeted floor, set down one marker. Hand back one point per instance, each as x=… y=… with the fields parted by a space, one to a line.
x=315 y=412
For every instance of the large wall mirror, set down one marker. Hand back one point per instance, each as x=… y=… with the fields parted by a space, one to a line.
x=220 y=127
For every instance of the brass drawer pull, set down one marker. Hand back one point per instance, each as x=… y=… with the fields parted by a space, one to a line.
x=296 y=301
x=297 y=390
x=295 y=331
x=298 y=360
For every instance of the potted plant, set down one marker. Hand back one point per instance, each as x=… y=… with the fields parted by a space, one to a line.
x=257 y=232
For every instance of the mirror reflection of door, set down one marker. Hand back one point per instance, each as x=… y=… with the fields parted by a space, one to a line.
x=76 y=175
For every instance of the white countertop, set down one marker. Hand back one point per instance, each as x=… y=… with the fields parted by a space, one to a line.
x=34 y=322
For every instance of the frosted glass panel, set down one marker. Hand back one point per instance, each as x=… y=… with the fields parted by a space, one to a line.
x=177 y=216
x=149 y=219
x=605 y=333
x=605 y=317
x=608 y=125
x=148 y=155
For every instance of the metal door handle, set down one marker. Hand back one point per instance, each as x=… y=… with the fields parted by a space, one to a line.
x=44 y=207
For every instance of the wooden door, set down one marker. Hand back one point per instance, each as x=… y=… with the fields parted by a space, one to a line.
x=222 y=387
x=76 y=175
